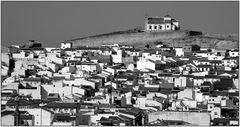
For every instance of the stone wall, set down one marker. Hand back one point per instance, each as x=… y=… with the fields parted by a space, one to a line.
x=199 y=118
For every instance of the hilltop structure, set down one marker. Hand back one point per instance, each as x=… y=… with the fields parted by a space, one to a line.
x=166 y=23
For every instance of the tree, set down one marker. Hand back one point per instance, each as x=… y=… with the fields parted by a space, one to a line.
x=147 y=46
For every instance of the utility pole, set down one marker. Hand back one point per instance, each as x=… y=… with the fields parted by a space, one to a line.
x=17 y=111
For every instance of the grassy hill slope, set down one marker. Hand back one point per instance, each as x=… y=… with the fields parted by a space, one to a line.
x=139 y=38
x=128 y=37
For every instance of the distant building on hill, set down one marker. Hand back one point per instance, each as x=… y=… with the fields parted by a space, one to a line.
x=165 y=23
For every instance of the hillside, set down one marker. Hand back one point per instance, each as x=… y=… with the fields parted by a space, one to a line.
x=4 y=56
x=206 y=41
x=4 y=49
x=139 y=38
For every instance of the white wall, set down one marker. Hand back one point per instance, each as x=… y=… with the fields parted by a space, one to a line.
x=66 y=45
x=41 y=116
x=142 y=65
x=181 y=82
x=35 y=93
x=179 y=52
x=233 y=54
x=63 y=91
x=7 y=120
x=168 y=26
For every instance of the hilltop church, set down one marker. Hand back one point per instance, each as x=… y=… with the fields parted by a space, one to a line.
x=165 y=23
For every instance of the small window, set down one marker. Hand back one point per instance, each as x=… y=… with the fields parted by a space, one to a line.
x=167 y=26
x=150 y=27
x=215 y=113
x=155 y=27
x=160 y=27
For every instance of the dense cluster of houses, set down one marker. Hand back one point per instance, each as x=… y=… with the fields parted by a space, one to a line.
x=119 y=85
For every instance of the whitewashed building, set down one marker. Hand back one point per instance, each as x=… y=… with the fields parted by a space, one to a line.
x=166 y=23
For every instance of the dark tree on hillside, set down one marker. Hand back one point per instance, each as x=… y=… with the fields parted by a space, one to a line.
x=11 y=66
x=223 y=84
x=147 y=46
x=209 y=50
x=195 y=48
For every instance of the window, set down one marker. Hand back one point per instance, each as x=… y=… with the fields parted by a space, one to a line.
x=215 y=113
x=150 y=27
x=167 y=26
x=160 y=27
x=155 y=27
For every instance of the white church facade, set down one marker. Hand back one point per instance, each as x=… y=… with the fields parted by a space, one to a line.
x=166 y=23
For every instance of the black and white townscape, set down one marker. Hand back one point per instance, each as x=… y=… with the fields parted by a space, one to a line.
x=124 y=63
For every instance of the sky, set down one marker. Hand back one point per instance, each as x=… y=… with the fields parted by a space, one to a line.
x=55 y=22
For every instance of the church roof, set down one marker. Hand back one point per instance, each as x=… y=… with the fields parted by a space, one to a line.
x=155 y=21
x=167 y=15
x=168 y=21
x=173 y=20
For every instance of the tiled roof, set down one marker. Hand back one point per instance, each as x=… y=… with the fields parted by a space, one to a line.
x=106 y=106
x=215 y=61
x=37 y=48
x=116 y=67
x=61 y=105
x=26 y=117
x=102 y=58
x=69 y=49
x=63 y=117
x=235 y=50
x=236 y=94
x=167 y=15
x=58 y=78
x=167 y=85
x=206 y=83
x=165 y=75
x=90 y=48
x=9 y=112
x=115 y=118
x=12 y=94
x=173 y=20
x=151 y=89
x=22 y=102
x=121 y=77
x=155 y=21
x=125 y=118
x=198 y=77
x=204 y=66
x=168 y=21
x=4 y=113
x=37 y=79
